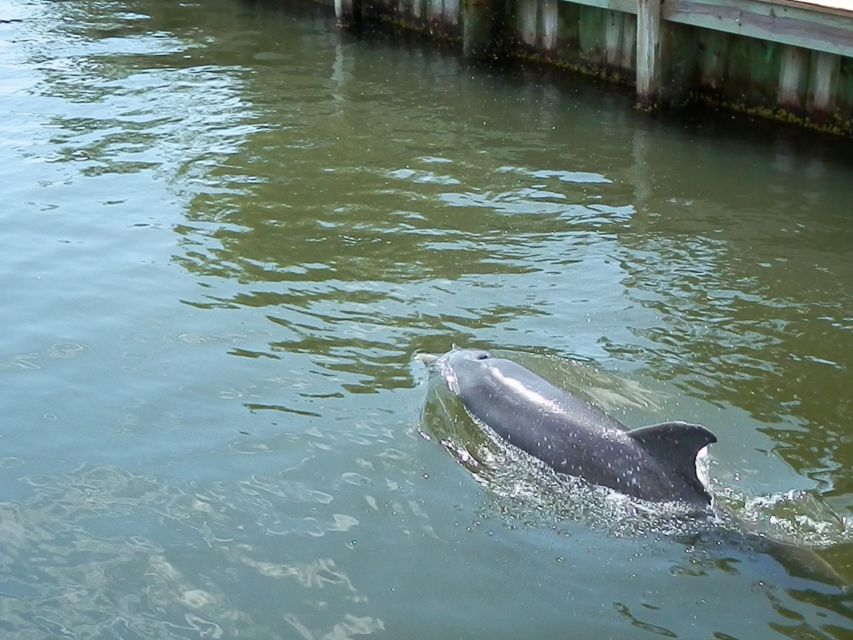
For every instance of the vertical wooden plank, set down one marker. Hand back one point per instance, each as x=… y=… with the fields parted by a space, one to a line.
x=348 y=12
x=629 y=42
x=715 y=45
x=425 y=10
x=792 y=71
x=434 y=10
x=549 y=25
x=613 y=38
x=648 y=51
x=478 y=19
x=680 y=48
x=592 y=24
x=824 y=81
x=528 y=11
x=568 y=20
x=451 y=12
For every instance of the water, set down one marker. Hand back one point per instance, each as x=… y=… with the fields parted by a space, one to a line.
x=227 y=229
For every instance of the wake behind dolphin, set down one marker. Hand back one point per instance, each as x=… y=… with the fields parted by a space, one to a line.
x=573 y=436
x=579 y=440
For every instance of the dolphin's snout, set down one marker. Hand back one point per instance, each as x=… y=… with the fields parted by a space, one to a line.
x=426 y=359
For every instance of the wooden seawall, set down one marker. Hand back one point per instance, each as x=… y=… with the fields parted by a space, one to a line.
x=784 y=59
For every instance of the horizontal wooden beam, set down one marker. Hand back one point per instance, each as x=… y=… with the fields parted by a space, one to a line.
x=797 y=23
x=783 y=23
x=626 y=6
x=837 y=7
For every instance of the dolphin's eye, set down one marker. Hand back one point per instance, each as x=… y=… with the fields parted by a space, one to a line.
x=483 y=356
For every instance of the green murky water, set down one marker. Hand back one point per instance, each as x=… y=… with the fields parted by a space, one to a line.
x=226 y=231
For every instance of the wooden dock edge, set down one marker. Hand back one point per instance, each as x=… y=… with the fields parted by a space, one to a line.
x=787 y=60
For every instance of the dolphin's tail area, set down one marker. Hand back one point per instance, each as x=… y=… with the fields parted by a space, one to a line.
x=676 y=444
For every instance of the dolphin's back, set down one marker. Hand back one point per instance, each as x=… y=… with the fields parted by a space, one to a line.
x=575 y=437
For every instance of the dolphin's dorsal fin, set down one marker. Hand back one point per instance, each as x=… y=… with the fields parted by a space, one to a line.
x=675 y=444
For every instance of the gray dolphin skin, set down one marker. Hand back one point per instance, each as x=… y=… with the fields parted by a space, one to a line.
x=573 y=436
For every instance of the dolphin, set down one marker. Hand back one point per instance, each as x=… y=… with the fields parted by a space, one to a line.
x=573 y=436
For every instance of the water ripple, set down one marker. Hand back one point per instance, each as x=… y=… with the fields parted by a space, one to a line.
x=113 y=548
